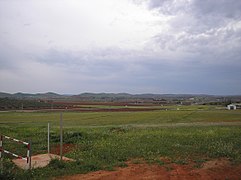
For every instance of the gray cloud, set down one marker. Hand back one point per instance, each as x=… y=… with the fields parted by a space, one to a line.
x=224 y=8
x=140 y=74
x=188 y=46
x=215 y=41
x=169 y=7
x=207 y=13
x=206 y=30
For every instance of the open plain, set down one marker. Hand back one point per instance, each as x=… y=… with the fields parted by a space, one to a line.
x=112 y=143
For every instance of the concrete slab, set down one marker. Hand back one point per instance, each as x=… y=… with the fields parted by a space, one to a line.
x=38 y=161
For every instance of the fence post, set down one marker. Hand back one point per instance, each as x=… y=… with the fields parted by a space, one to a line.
x=1 y=146
x=61 y=136
x=30 y=153
x=48 y=138
x=1 y=153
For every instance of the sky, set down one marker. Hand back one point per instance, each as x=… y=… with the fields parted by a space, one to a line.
x=133 y=46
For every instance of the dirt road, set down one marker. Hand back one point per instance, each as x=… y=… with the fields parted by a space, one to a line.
x=220 y=169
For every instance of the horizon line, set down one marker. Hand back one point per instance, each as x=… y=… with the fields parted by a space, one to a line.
x=72 y=94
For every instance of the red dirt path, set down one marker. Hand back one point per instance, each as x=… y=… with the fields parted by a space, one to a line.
x=220 y=169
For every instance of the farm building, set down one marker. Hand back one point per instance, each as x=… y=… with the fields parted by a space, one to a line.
x=233 y=106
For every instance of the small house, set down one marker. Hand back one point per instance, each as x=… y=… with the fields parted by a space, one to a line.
x=233 y=106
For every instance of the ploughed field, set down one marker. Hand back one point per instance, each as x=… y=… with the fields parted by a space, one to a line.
x=179 y=135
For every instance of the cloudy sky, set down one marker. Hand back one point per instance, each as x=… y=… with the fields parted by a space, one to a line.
x=134 y=46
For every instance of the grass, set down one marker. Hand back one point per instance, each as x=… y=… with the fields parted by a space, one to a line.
x=73 y=119
x=106 y=140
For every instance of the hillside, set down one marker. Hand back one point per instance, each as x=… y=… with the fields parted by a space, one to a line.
x=123 y=97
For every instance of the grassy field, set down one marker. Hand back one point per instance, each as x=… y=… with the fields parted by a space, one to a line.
x=105 y=140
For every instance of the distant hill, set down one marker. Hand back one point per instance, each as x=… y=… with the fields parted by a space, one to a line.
x=3 y=95
x=122 y=97
x=19 y=95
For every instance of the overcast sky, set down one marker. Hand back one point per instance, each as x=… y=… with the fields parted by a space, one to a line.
x=134 y=46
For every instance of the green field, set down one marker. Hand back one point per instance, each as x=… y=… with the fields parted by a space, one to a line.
x=105 y=140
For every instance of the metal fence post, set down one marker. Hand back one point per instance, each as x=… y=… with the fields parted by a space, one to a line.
x=61 y=136
x=1 y=153
x=30 y=154
x=1 y=146
x=48 y=138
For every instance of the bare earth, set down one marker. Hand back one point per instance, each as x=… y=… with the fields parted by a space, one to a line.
x=220 y=169
x=38 y=161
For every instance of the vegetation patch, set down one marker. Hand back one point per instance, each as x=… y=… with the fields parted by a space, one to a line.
x=111 y=141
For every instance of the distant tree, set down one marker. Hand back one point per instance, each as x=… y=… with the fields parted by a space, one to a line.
x=227 y=102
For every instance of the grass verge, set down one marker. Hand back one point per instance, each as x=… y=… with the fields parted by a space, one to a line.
x=106 y=148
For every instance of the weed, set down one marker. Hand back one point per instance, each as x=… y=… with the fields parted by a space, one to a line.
x=55 y=163
x=160 y=162
x=122 y=164
x=221 y=148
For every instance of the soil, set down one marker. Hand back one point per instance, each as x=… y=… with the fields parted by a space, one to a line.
x=66 y=148
x=71 y=106
x=42 y=160
x=38 y=161
x=220 y=169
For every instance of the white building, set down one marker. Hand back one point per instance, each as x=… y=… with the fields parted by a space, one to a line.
x=233 y=106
